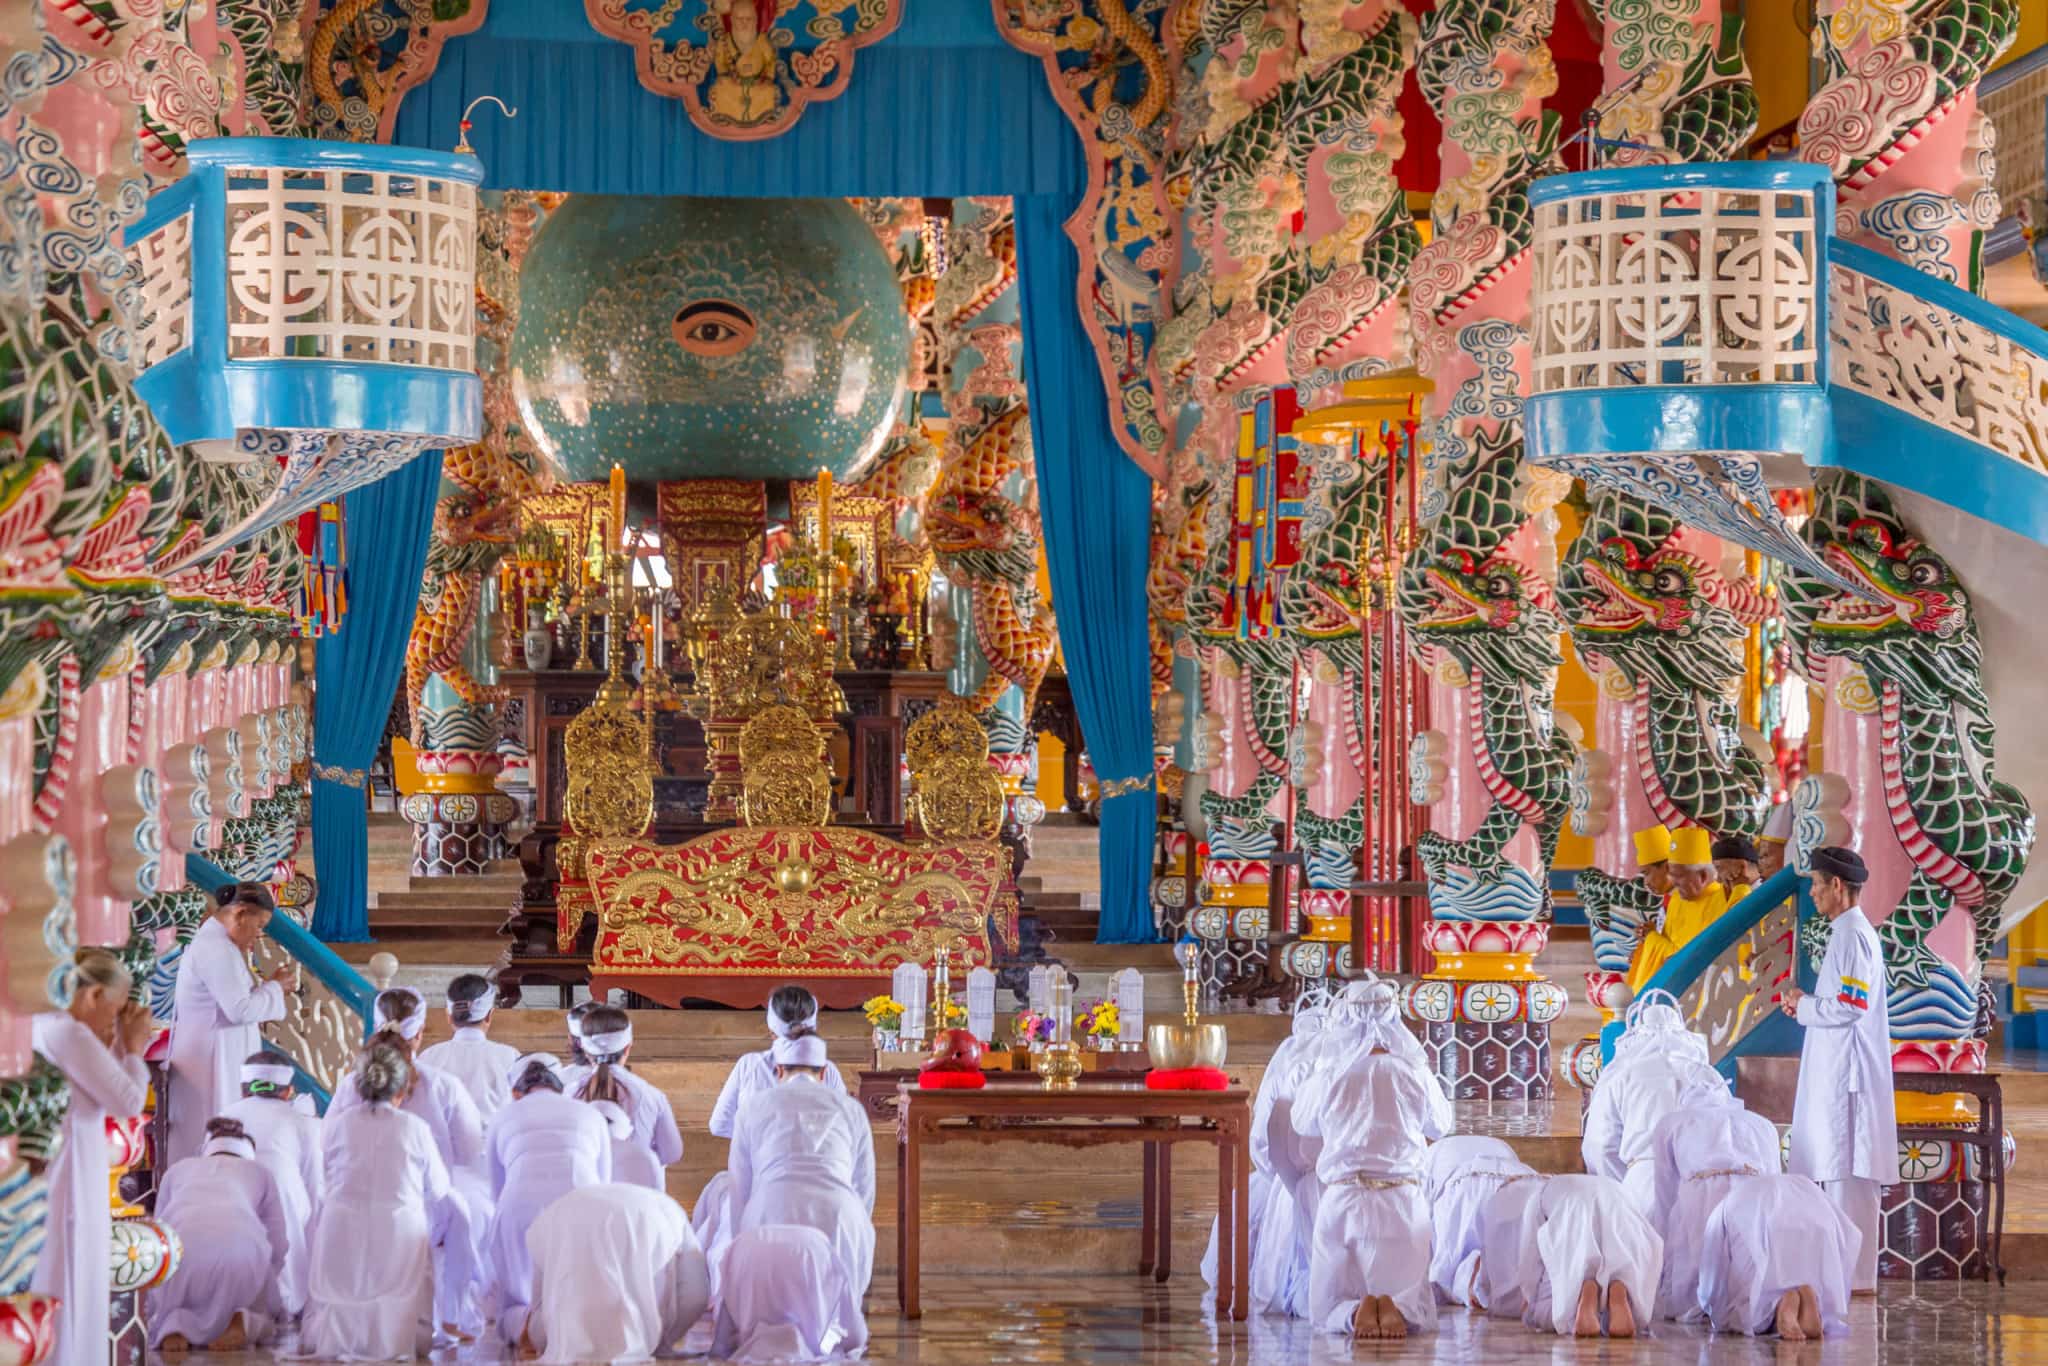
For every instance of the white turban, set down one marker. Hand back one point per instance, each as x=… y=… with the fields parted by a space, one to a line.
x=808 y=1051
x=1310 y=1021
x=274 y=1074
x=782 y=1028
x=609 y=1047
x=233 y=1145
x=409 y=1026
x=1653 y=1025
x=518 y=1068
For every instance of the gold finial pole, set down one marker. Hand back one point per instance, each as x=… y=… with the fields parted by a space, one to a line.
x=618 y=618
x=942 y=988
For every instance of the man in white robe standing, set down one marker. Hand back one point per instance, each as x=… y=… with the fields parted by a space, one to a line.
x=218 y=1010
x=1844 y=1128
x=1656 y=1062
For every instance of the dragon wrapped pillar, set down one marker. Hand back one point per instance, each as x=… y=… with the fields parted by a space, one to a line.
x=981 y=516
x=1907 y=726
x=1654 y=615
x=1494 y=770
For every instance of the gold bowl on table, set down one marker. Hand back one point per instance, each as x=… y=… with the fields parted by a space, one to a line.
x=1177 y=1047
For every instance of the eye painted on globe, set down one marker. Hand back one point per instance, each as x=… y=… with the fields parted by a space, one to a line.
x=713 y=327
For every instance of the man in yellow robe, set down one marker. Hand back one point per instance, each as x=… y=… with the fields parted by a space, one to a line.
x=1697 y=900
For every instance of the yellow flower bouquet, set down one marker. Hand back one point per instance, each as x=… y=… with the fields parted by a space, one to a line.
x=884 y=1012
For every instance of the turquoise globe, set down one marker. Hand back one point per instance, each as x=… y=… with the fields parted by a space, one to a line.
x=695 y=338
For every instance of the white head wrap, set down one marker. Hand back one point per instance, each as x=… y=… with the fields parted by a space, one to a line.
x=782 y=1028
x=608 y=1047
x=808 y=1051
x=519 y=1066
x=1655 y=1026
x=615 y=1118
x=233 y=1145
x=410 y=1026
x=276 y=1074
x=478 y=1009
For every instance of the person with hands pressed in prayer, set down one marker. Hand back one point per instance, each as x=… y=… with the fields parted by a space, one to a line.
x=218 y=1010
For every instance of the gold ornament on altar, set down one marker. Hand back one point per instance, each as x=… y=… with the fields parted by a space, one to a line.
x=611 y=777
x=784 y=777
x=765 y=661
x=956 y=794
x=1177 y=1047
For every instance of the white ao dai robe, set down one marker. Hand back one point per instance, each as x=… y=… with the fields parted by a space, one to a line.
x=1622 y=1117
x=218 y=1008
x=1270 y=1206
x=803 y=1154
x=654 y=1119
x=288 y=1147
x=370 y=1289
x=480 y=1065
x=713 y=1215
x=1773 y=1234
x=617 y=1275
x=787 y=1298
x=1372 y=1229
x=1290 y=1221
x=78 y=1239
x=1462 y=1171
x=1585 y=1228
x=542 y=1147
x=1497 y=1278
x=1701 y=1154
x=230 y=1219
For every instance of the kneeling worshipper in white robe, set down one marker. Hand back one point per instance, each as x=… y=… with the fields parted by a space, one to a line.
x=1276 y=1286
x=218 y=1010
x=370 y=1287
x=1656 y=1060
x=1844 y=1123
x=98 y=1045
x=803 y=1154
x=1777 y=1256
x=617 y=1276
x=469 y=1056
x=607 y=1042
x=792 y=1012
x=1589 y=1261
x=787 y=1297
x=1495 y=1279
x=1703 y=1150
x=542 y=1146
x=230 y=1221
x=1458 y=1176
x=1369 y=1262
x=287 y=1143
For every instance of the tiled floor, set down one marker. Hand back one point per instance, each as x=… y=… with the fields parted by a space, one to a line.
x=1048 y=1320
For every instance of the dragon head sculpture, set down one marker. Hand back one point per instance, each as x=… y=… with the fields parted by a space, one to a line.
x=1493 y=614
x=1328 y=593
x=1656 y=615
x=982 y=535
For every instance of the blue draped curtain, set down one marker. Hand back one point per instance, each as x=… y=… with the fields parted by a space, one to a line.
x=1096 y=506
x=355 y=673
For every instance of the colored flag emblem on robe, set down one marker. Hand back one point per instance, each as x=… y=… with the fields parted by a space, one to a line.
x=1854 y=993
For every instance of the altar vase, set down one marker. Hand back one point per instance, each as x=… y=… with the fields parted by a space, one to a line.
x=1844 y=1121
x=1369 y=1259
x=1589 y=1262
x=1778 y=1256
x=1655 y=1063
x=98 y=1045
x=1701 y=1151
x=218 y=1010
x=444 y=1105
x=617 y=1275
x=469 y=1056
x=791 y=1012
x=287 y=1143
x=1276 y=1285
x=1457 y=1177
x=230 y=1221
x=787 y=1297
x=371 y=1281
x=1496 y=1276
x=542 y=1146
x=804 y=1154
x=606 y=1041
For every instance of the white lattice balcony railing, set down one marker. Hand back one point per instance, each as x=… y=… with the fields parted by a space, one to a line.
x=294 y=286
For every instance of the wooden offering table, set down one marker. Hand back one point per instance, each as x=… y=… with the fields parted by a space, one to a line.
x=1089 y=1117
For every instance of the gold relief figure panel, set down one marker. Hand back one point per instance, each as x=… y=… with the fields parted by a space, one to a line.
x=947 y=731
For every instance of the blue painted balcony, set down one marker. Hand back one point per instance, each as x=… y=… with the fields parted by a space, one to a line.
x=313 y=303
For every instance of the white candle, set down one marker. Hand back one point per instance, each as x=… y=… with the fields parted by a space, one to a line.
x=1062 y=1009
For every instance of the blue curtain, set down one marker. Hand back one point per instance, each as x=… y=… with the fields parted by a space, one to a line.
x=356 y=673
x=1096 y=506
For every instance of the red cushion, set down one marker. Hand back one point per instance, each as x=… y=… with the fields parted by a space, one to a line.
x=951 y=1081
x=1187 y=1079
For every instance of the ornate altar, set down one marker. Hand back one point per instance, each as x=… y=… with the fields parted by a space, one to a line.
x=729 y=914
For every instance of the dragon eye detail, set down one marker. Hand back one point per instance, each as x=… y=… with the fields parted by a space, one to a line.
x=713 y=327
x=1670 y=581
x=1923 y=573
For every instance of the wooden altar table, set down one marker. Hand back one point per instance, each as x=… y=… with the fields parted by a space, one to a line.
x=1086 y=1118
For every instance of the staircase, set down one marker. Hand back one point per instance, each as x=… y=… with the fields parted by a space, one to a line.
x=1062 y=884
x=463 y=913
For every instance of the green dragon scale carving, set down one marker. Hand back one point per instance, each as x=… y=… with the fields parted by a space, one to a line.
x=1967 y=833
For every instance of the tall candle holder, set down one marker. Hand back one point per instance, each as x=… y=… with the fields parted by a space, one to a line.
x=1059 y=1063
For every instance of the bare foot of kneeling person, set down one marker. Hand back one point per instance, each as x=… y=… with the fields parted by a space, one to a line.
x=233 y=1340
x=1809 y=1312
x=1621 y=1318
x=1587 y=1324
x=1392 y=1325
x=174 y=1345
x=1788 y=1324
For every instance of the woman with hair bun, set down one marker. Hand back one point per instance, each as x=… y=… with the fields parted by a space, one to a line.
x=218 y=1011
x=542 y=1146
x=371 y=1279
x=231 y=1221
x=98 y=1045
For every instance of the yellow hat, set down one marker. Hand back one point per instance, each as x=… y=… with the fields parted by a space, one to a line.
x=1653 y=845
x=1692 y=847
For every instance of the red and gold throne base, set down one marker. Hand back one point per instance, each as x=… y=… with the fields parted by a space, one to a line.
x=730 y=915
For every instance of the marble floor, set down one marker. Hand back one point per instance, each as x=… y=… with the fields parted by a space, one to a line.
x=1045 y=1320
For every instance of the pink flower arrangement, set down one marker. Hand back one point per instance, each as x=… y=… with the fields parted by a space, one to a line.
x=1029 y=1028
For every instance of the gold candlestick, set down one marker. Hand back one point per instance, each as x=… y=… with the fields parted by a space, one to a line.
x=615 y=692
